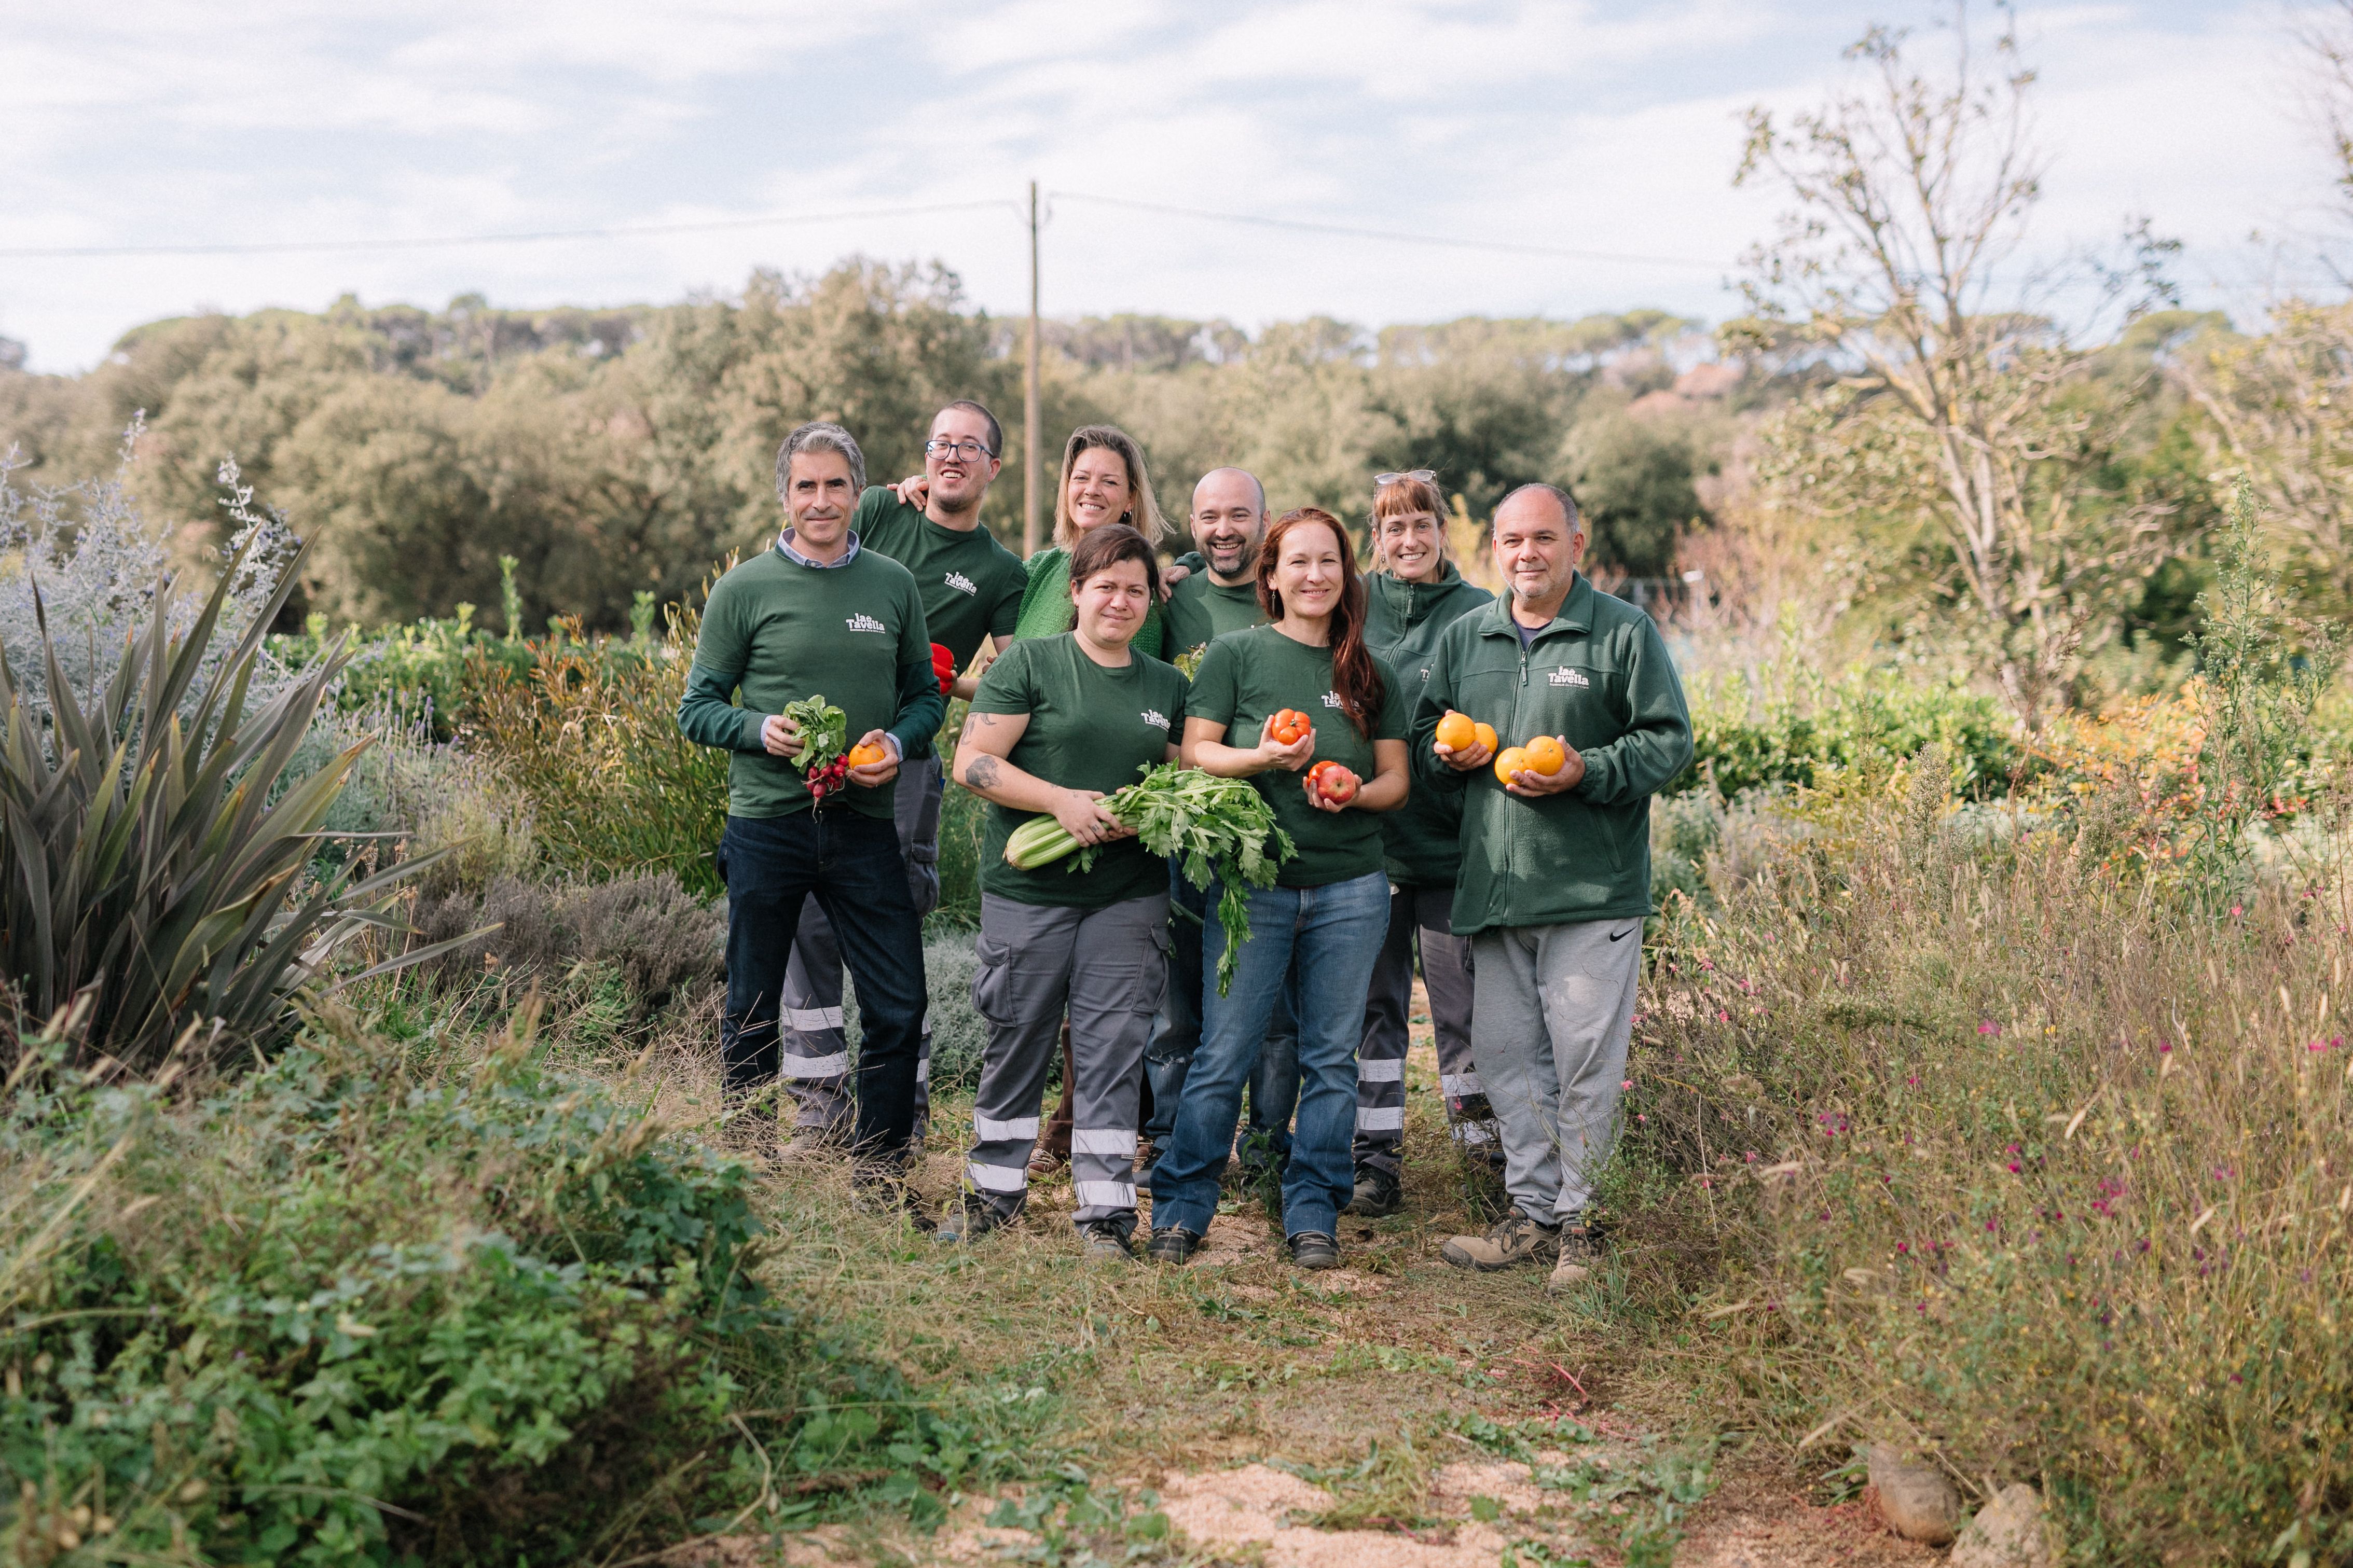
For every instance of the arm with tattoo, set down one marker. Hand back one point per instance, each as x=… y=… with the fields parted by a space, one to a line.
x=981 y=766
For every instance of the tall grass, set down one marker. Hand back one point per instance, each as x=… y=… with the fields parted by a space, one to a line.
x=1971 y=1143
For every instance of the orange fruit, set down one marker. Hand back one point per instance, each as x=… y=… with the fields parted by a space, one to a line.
x=1455 y=731
x=866 y=756
x=1545 y=756
x=1514 y=760
x=1487 y=736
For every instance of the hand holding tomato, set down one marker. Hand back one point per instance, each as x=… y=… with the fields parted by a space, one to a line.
x=871 y=765
x=1331 y=785
x=1461 y=744
x=1288 y=740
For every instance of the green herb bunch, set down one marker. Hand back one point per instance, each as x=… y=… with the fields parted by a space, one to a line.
x=1218 y=829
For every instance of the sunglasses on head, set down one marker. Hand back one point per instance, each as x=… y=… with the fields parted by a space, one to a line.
x=1426 y=476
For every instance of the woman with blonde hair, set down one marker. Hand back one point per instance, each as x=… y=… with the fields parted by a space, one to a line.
x=1413 y=593
x=1104 y=479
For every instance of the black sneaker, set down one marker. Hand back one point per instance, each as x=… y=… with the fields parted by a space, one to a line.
x=1314 y=1249
x=1173 y=1243
x=1105 y=1240
x=1378 y=1193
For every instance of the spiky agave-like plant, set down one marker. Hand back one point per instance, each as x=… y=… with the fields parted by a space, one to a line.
x=148 y=856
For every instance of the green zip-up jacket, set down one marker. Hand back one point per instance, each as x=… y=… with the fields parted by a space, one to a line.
x=1420 y=840
x=1598 y=677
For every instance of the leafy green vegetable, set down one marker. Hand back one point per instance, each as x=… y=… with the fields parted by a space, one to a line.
x=825 y=730
x=1217 y=829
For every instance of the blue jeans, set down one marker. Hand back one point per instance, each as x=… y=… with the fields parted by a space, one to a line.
x=1177 y=1035
x=851 y=866
x=1320 y=943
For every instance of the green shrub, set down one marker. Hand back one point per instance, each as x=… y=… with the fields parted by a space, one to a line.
x=586 y=737
x=356 y=1308
x=1785 y=731
x=413 y=674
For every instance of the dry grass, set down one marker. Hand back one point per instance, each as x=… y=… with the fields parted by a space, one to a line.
x=1983 y=1149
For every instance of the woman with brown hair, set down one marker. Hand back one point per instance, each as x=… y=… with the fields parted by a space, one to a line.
x=1104 y=479
x=1058 y=723
x=1326 y=722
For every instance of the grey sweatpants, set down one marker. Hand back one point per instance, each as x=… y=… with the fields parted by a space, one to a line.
x=1107 y=967
x=1553 y=1010
x=815 y=1056
x=1422 y=915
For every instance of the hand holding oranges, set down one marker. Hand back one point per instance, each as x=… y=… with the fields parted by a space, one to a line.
x=1463 y=743
x=1546 y=765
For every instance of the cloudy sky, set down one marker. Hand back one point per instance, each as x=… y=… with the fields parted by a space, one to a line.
x=1609 y=127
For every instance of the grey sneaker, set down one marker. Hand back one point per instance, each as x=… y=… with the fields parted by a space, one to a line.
x=1314 y=1249
x=968 y=1223
x=1104 y=1241
x=1511 y=1241
x=1378 y=1193
x=1172 y=1244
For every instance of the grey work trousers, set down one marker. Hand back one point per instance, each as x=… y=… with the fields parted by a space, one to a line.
x=815 y=1055
x=1421 y=916
x=1107 y=968
x=1553 y=1011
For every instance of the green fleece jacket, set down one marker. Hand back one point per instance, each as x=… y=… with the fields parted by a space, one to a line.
x=1402 y=623
x=1600 y=678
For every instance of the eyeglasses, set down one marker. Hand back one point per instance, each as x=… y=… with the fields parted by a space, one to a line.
x=1426 y=476
x=967 y=448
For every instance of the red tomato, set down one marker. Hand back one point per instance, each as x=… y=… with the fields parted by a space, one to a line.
x=1289 y=726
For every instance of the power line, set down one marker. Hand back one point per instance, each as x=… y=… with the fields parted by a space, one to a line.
x=1395 y=235
x=279 y=247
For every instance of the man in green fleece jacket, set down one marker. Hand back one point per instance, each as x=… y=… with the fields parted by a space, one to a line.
x=818 y=616
x=1556 y=872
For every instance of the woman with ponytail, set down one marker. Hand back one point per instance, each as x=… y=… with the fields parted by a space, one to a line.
x=1325 y=723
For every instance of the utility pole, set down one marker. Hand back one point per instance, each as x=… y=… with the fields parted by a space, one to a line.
x=1030 y=400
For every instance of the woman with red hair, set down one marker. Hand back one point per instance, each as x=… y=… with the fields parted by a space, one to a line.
x=1324 y=722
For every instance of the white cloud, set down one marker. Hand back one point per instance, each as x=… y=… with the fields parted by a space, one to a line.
x=1568 y=122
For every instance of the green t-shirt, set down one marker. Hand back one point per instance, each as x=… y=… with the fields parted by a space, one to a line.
x=1090 y=728
x=1046 y=610
x=1201 y=611
x=777 y=632
x=971 y=585
x=1248 y=675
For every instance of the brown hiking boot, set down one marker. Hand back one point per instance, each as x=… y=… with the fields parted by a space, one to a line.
x=1580 y=1249
x=1511 y=1241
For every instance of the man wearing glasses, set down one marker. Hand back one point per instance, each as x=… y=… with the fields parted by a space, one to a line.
x=971 y=589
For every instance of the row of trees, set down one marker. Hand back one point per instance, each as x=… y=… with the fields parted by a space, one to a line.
x=1968 y=455
x=620 y=451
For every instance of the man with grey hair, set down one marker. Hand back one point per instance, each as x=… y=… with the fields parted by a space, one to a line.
x=1555 y=877
x=971 y=587
x=818 y=616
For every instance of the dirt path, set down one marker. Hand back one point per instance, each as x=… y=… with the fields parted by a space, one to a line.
x=1394 y=1413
